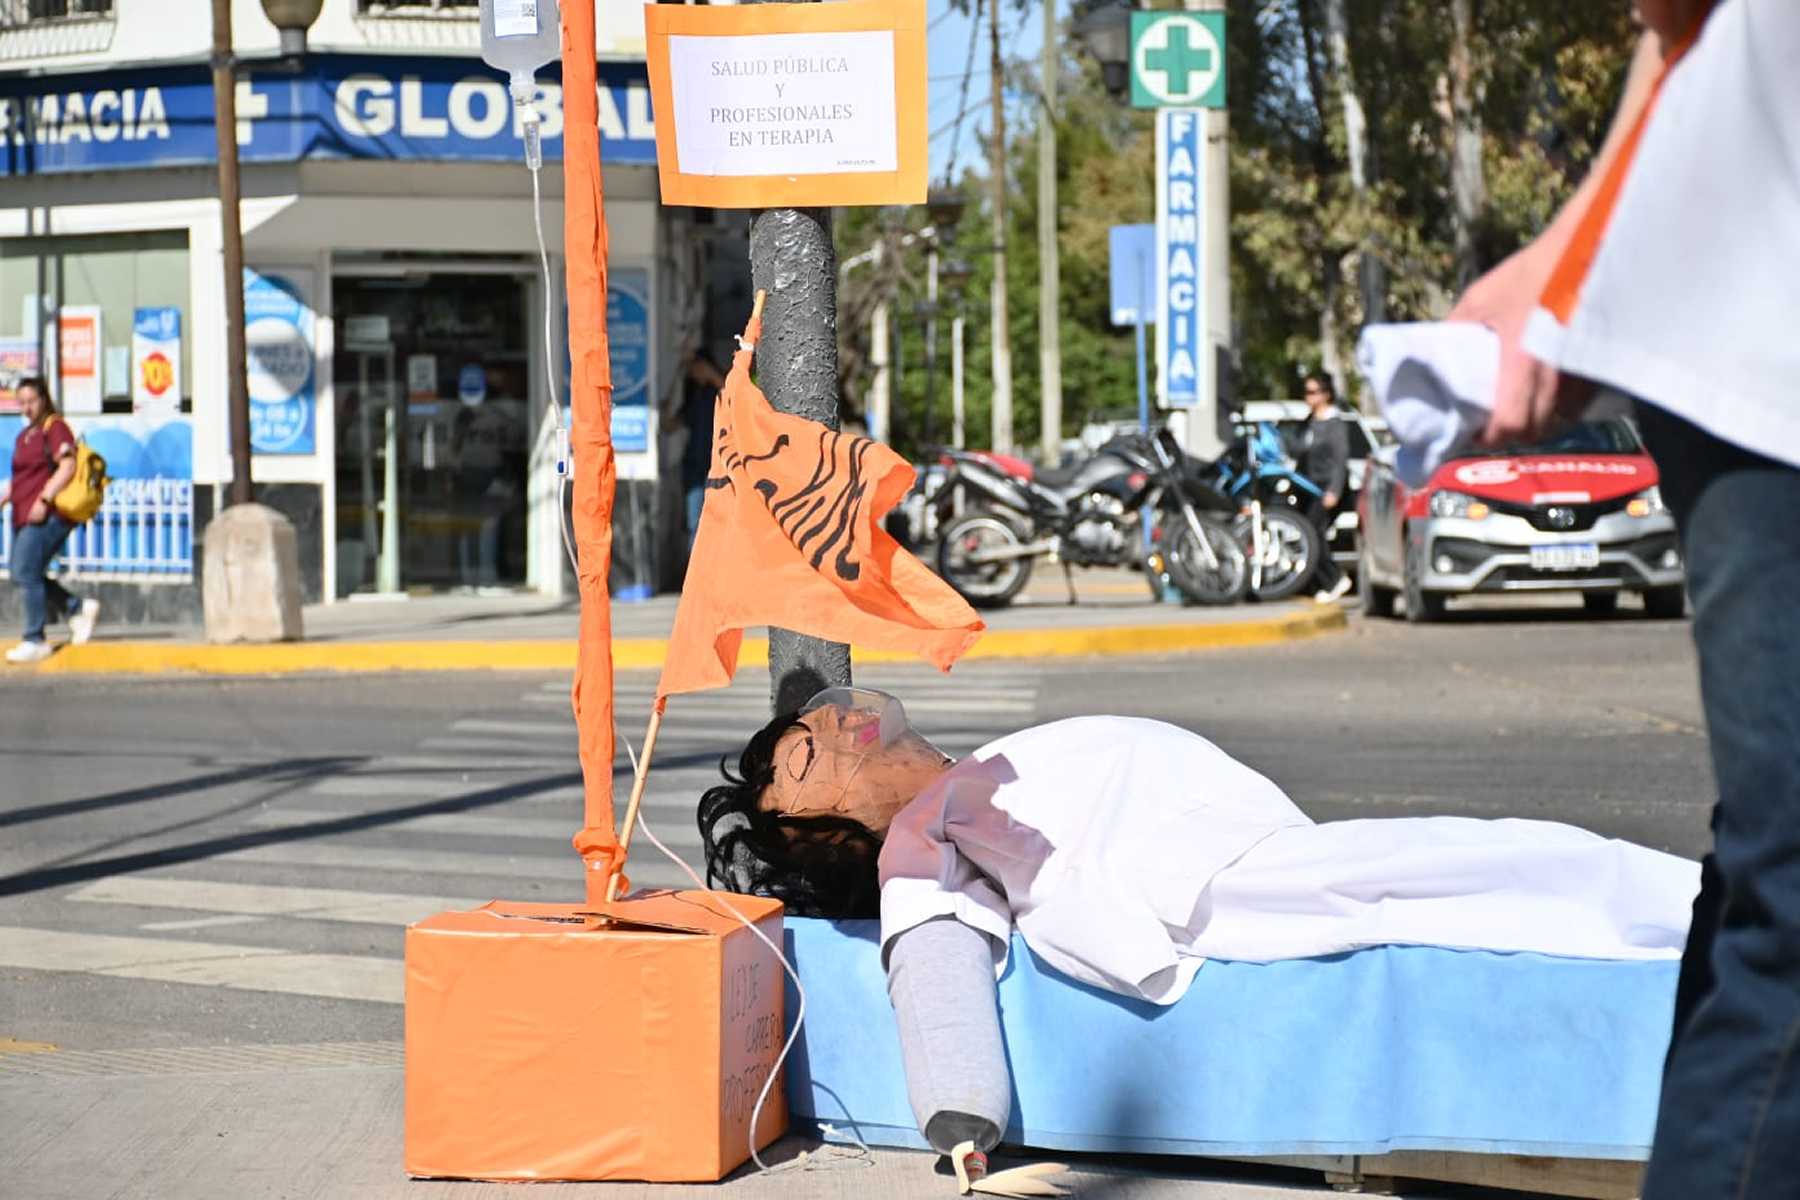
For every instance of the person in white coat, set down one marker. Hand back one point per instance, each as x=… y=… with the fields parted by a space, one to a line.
x=1126 y=852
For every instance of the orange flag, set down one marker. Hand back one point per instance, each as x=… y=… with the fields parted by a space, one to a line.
x=790 y=536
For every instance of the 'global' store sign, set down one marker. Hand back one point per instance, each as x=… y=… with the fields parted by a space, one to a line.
x=339 y=106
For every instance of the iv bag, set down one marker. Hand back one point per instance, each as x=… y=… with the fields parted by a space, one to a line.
x=518 y=37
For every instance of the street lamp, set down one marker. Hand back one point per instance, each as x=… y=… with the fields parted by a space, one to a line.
x=292 y=18
x=1105 y=33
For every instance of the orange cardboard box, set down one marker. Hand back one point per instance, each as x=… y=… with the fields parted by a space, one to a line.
x=543 y=1044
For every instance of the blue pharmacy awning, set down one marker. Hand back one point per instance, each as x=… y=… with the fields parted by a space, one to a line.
x=336 y=107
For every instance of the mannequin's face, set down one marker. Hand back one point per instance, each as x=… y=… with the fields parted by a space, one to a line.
x=835 y=763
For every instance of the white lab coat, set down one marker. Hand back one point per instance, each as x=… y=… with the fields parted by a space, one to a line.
x=1127 y=851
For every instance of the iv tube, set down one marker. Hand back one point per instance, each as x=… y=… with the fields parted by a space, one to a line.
x=518 y=37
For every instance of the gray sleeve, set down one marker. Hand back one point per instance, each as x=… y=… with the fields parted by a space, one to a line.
x=941 y=984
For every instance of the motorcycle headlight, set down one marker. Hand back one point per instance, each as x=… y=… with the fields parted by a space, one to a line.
x=1646 y=503
x=1458 y=504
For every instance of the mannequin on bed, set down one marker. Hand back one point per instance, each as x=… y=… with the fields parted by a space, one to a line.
x=1126 y=852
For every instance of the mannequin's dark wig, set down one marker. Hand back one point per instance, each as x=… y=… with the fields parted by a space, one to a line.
x=816 y=866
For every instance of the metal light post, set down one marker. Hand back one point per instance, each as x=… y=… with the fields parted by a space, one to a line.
x=944 y=209
x=292 y=18
x=954 y=274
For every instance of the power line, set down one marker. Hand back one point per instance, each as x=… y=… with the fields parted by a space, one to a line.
x=963 y=99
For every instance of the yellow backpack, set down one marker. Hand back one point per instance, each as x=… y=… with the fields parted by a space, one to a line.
x=83 y=495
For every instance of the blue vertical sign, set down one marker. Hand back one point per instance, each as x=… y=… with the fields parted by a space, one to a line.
x=628 y=339
x=281 y=360
x=1181 y=334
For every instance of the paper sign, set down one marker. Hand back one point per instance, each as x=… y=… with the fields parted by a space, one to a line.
x=779 y=105
x=421 y=377
x=79 y=356
x=817 y=103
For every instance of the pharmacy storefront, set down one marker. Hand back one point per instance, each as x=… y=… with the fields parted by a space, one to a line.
x=395 y=307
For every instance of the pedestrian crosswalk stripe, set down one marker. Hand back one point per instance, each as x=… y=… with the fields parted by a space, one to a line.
x=522 y=728
x=257 y=900
x=208 y=964
x=499 y=746
x=202 y=922
x=550 y=829
x=548 y=867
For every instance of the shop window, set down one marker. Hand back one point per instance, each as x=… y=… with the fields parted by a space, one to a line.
x=417 y=8
x=25 y=12
x=95 y=289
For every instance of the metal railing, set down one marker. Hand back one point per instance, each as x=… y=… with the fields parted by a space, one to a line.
x=144 y=531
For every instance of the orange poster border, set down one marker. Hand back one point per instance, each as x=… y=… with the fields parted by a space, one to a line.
x=905 y=19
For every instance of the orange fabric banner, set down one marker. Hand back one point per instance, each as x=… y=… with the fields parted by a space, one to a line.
x=790 y=536
x=584 y=248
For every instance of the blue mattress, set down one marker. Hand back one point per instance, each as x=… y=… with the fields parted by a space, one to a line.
x=1394 y=1048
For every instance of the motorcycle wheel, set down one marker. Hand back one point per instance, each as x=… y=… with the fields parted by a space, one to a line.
x=985 y=585
x=1290 y=552
x=1223 y=584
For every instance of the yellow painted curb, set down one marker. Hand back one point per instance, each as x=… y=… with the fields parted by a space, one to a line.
x=290 y=658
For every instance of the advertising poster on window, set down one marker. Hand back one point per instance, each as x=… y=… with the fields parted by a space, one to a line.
x=18 y=360
x=628 y=337
x=79 y=345
x=156 y=361
x=279 y=336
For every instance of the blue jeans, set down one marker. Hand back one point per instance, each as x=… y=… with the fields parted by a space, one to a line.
x=33 y=548
x=1729 y=1124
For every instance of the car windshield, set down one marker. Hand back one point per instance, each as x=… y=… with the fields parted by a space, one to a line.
x=1612 y=436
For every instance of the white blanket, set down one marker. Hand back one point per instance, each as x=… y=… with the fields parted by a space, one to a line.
x=1127 y=851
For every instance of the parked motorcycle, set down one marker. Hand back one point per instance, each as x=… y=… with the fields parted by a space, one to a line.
x=1090 y=514
x=1270 y=497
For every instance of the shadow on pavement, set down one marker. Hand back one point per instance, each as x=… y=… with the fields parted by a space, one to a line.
x=57 y=874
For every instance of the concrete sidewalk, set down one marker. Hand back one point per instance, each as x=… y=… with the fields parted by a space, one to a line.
x=1114 y=615
x=236 y=1123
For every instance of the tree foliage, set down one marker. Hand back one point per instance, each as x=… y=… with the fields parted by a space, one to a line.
x=1538 y=82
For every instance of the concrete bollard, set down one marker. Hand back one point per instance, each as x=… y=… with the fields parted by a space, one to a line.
x=251 y=584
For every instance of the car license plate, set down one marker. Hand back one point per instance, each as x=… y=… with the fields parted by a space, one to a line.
x=1574 y=556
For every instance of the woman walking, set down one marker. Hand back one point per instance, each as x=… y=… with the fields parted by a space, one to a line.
x=43 y=462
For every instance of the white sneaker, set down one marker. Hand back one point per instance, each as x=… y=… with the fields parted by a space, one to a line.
x=1336 y=591
x=81 y=625
x=28 y=652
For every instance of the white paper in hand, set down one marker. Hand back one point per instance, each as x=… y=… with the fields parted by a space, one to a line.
x=1435 y=383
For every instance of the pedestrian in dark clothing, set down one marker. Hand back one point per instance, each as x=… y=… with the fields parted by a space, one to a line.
x=704 y=379
x=1325 y=459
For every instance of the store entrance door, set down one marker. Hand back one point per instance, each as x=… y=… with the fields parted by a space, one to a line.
x=433 y=375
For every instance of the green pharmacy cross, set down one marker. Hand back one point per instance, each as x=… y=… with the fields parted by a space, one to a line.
x=1178 y=59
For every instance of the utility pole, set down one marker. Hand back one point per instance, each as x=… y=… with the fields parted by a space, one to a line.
x=792 y=259
x=1049 y=268
x=224 y=80
x=1002 y=337
x=1203 y=434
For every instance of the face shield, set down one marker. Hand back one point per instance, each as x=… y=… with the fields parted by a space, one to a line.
x=846 y=728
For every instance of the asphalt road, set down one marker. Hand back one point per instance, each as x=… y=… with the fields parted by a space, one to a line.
x=190 y=809
x=277 y=835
